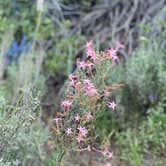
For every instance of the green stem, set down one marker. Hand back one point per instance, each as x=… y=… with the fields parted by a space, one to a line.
x=60 y=157
x=38 y=23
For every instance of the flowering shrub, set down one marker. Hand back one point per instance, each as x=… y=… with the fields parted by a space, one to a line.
x=87 y=95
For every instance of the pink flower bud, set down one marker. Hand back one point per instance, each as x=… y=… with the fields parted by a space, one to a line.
x=69 y=131
x=112 y=105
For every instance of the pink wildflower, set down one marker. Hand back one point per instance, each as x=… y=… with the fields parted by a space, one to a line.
x=89 y=44
x=89 y=88
x=89 y=116
x=82 y=131
x=82 y=64
x=72 y=83
x=87 y=82
x=90 y=51
x=72 y=78
x=91 y=91
x=79 y=139
x=69 y=131
x=119 y=46
x=85 y=65
x=66 y=105
x=111 y=52
x=112 y=105
x=92 y=54
x=106 y=93
x=77 y=118
x=57 y=120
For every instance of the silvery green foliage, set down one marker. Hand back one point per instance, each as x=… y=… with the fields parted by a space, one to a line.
x=144 y=77
x=21 y=141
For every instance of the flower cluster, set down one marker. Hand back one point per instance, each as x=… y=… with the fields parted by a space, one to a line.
x=90 y=51
x=66 y=105
x=86 y=96
x=89 y=88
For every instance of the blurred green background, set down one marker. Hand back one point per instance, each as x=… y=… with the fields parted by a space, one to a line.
x=39 y=48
